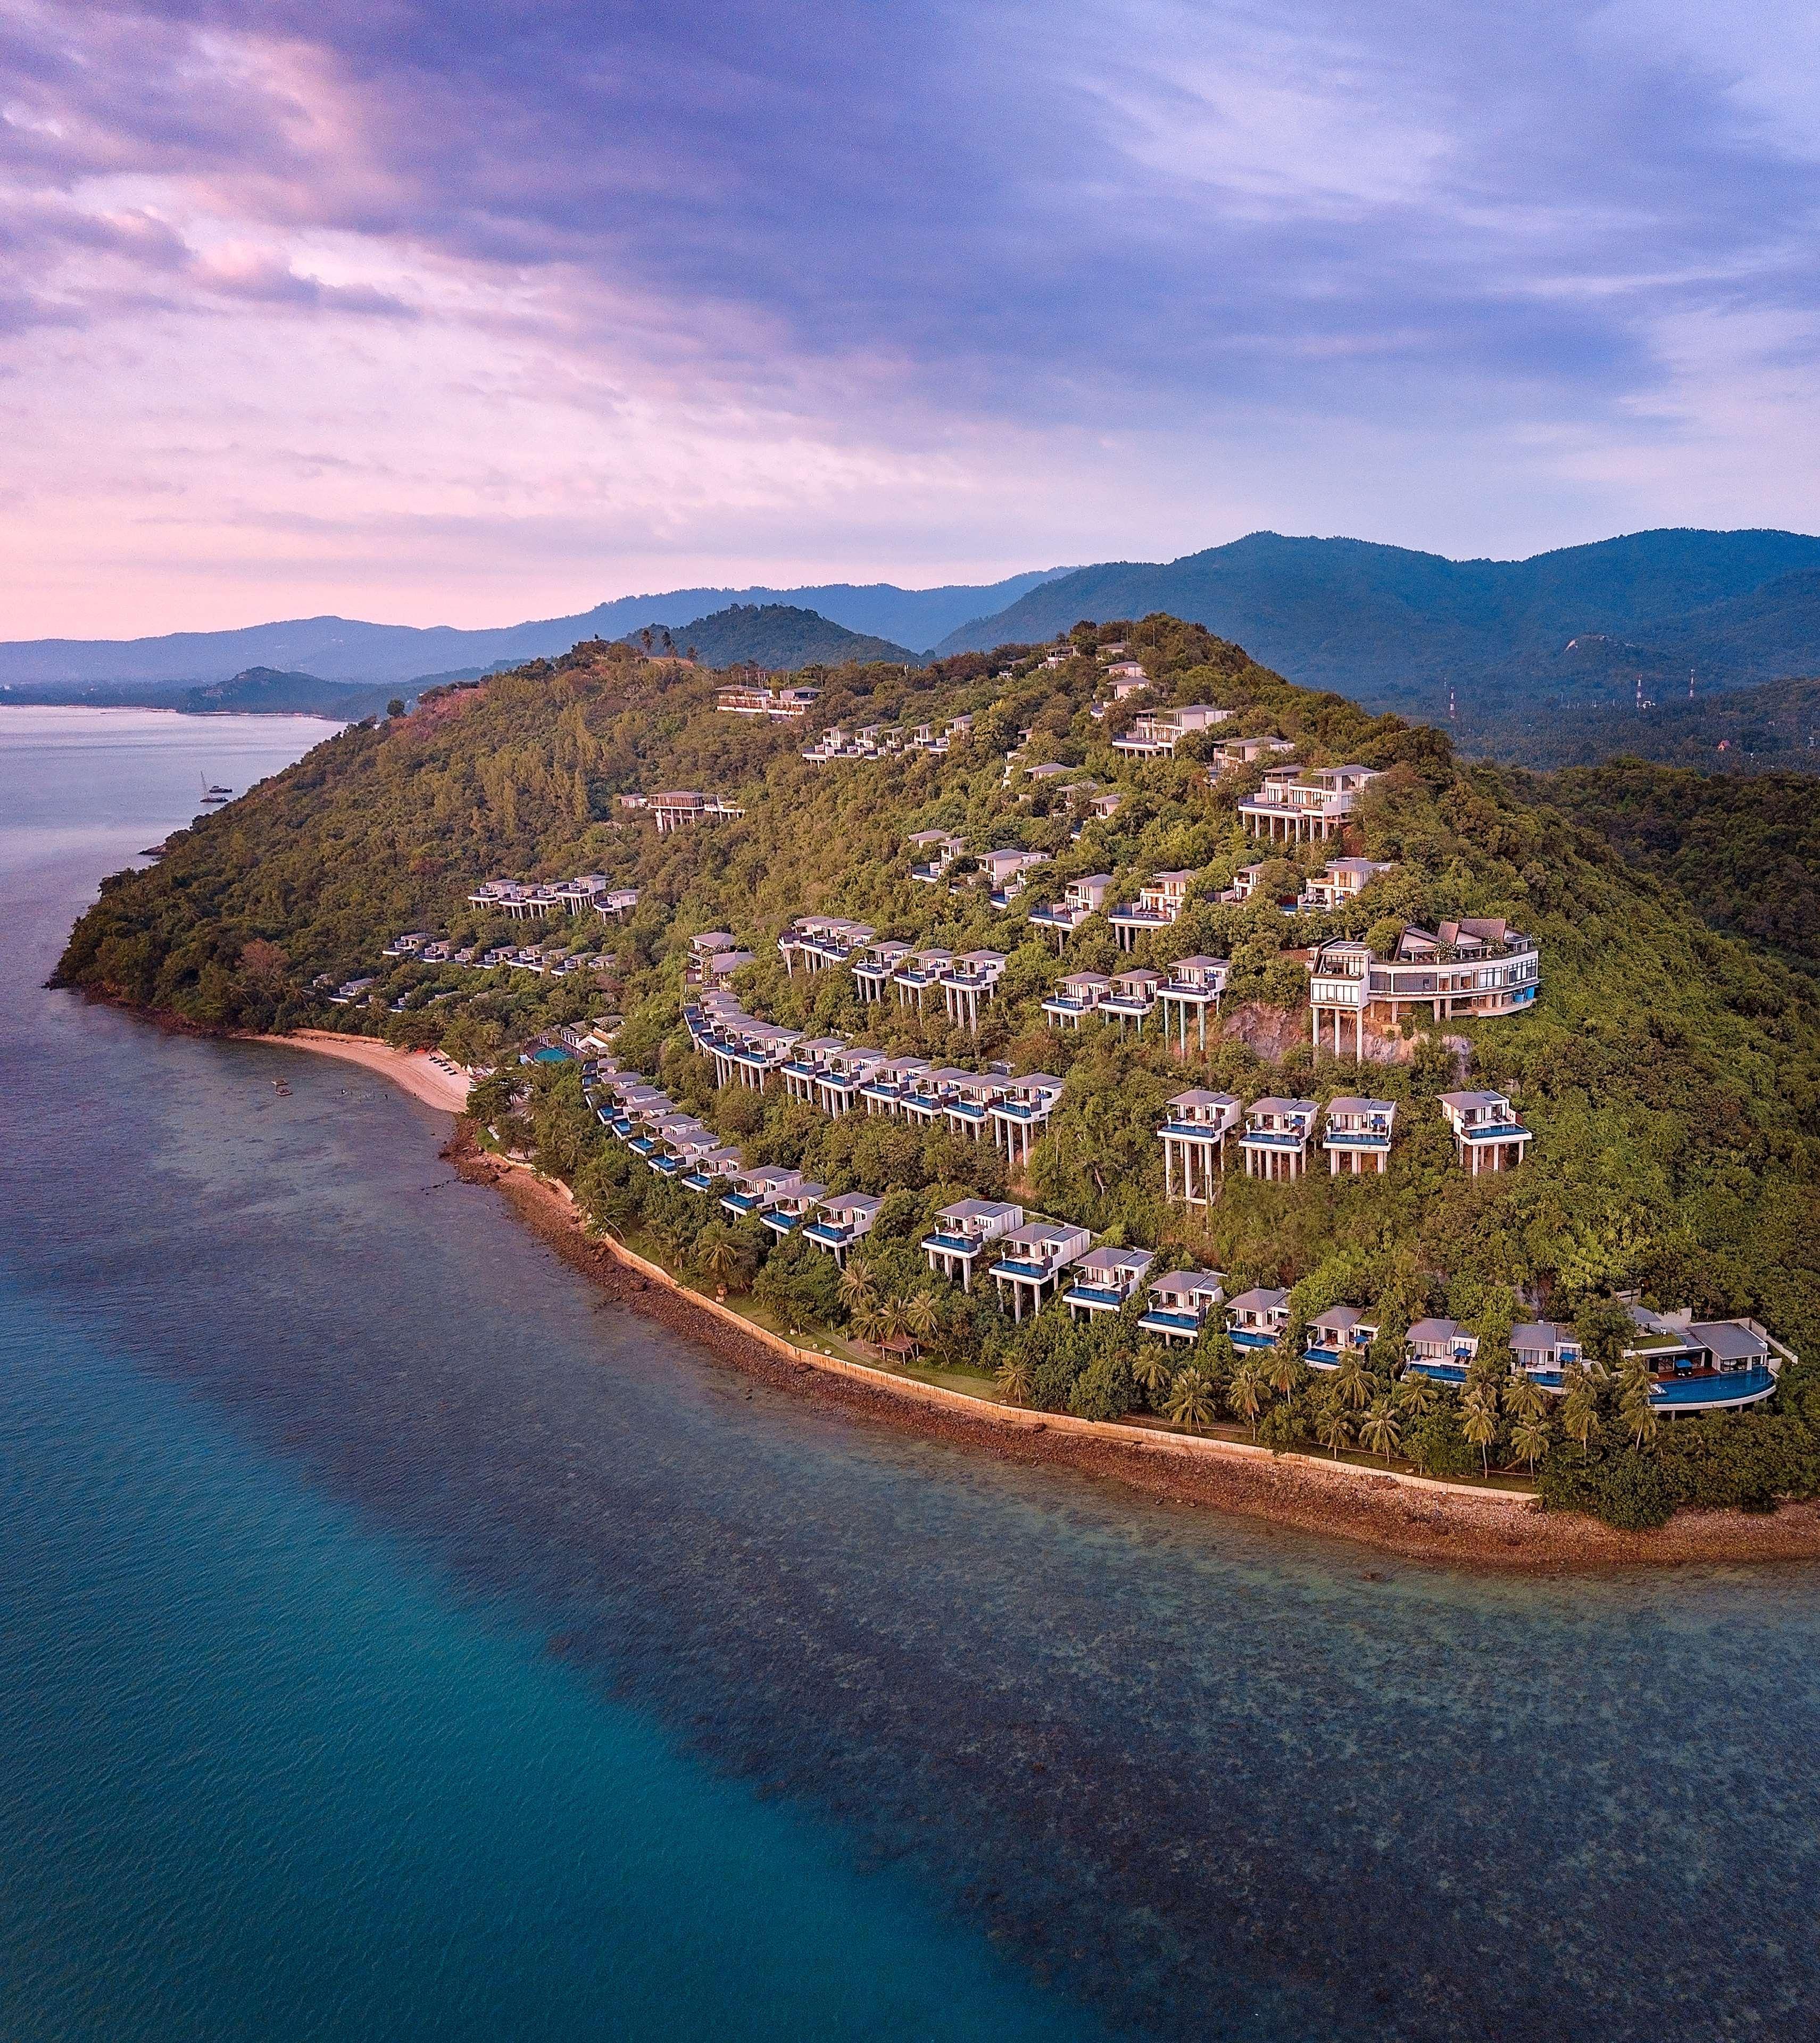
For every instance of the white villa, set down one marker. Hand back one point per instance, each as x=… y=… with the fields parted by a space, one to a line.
x=1257 y=1318
x=1032 y=1258
x=962 y=1233
x=972 y=977
x=1487 y=1134
x=1159 y=902
x=1194 y=1138
x=1233 y=754
x=1080 y=898
x=1194 y=985
x=1276 y=1138
x=1182 y=1303
x=1306 y=801
x=876 y=966
x=1156 y=733
x=1343 y=879
x=1132 y=996
x=818 y=942
x=1340 y=1331
x=1476 y=966
x=1357 y=1135
x=938 y=848
x=1076 y=994
x=1021 y=1109
x=842 y=1221
x=1006 y=873
x=1104 y=1279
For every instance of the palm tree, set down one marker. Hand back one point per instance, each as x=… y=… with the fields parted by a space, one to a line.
x=922 y=1316
x=1014 y=1380
x=857 y=1286
x=1353 y=1381
x=1191 y=1402
x=1333 y=1426
x=1245 y=1393
x=1417 y=1393
x=720 y=1262
x=1580 y=1408
x=1480 y=1425
x=1634 y=1386
x=1523 y=1396
x=1378 y=1430
x=871 y=1323
x=1531 y=1438
x=894 y=1317
x=1150 y=1370
x=1284 y=1372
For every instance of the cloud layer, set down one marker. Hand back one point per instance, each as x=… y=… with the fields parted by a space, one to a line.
x=451 y=312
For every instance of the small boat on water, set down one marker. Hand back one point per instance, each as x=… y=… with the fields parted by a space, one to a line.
x=214 y=797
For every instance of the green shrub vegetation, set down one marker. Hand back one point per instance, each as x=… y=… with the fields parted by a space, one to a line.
x=1669 y=1070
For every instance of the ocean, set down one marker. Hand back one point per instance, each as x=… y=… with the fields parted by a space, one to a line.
x=397 y=1640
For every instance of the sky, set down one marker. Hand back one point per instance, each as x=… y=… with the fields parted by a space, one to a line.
x=473 y=310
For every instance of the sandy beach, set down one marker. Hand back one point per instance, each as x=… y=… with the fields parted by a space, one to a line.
x=434 y=1084
x=1409 y=1517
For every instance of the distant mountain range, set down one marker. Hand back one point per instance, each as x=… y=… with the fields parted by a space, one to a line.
x=1397 y=629
x=1585 y=625
x=343 y=650
x=777 y=636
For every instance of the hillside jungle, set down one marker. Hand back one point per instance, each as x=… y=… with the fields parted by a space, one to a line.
x=1670 y=1071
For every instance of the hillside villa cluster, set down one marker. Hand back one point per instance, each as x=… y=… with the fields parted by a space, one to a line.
x=1476 y=966
x=1033 y=1261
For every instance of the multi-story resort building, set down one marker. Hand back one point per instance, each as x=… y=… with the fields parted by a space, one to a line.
x=1080 y=898
x=876 y=966
x=1007 y=873
x=1105 y=805
x=714 y=958
x=1120 y=686
x=920 y=972
x=1075 y=995
x=752 y=1192
x=1343 y=879
x=1476 y=968
x=788 y=1212
x=937 y=849
x=1192 y=986
x=1156 y=733
x=1340 y=1331
x=756 y=701
x=1019 y=1111
x=523 y=901
x=1258 y=1319
x=1193 y=1138
x=1132 y=996
x=970 y=980
x=678 y=808
x=1357 y=1138
x=1159 y=902
x=963 y=1232
x=1031 y=1259
x=1232 y=755
x=1297 y=803
x=412 y=944
x=820 y=942
x=890 y=1081
x=842 y=1221
x=1275 y=1141
x=1487 y=1134
x=1182 y=1304
x=1103 y=1279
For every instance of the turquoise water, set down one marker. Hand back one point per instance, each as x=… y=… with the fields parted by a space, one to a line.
x=395 y=1641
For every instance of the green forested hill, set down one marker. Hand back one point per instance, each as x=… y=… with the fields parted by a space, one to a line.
x=1745 y=851
x=1672 y=1073
x=776 y=636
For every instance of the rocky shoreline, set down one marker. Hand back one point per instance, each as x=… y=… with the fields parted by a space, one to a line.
x=1435 y=1523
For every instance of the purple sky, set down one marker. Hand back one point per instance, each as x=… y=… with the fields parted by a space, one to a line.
x=460 y=312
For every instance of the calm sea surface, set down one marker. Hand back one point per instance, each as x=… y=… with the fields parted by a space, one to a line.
x=395 y=1642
